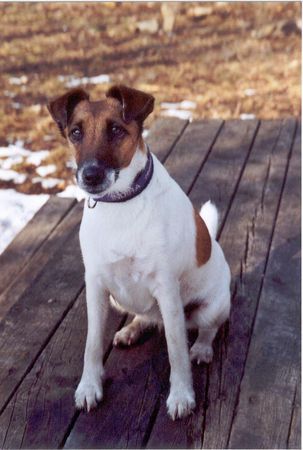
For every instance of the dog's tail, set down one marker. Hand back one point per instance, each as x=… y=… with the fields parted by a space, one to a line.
x=210 y=215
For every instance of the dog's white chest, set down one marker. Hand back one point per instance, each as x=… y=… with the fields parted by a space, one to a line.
x=121 y=261
x=128 y=281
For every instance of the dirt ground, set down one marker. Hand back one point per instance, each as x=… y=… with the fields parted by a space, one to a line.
x=229 y=58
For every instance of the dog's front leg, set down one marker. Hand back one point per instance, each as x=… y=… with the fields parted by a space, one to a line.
x=181 y=399
x=89 y=391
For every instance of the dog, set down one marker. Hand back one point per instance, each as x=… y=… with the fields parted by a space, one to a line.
x=143 y=244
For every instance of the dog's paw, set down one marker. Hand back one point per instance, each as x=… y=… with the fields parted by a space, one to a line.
x=201 y=353
x=88 y=394
x=180 y=404
x=128 y=335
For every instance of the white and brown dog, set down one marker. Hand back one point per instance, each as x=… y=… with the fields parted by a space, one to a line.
x=142 y=242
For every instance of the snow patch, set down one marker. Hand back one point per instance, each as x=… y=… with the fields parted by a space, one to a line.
x=16 y=210
x=14 y=149
x=249 y=92
x=180 y=113
x=71 y=164
x=16 y=105
x=47 y=183
x=178 y=109
x=72 y=191
x=185 y=104
x=246 y=116
x=12 y=175
x=46 y=170
x=72 y=82
x=18 y=80
x=36 y=158
x=17 y=154
x=10 y=162
x=9 y=94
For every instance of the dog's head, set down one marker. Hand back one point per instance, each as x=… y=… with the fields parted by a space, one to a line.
x=104 y=134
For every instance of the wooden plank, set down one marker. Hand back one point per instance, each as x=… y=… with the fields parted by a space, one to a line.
x=255 y=202
x=166 y=433
x=223 y=169
x=30 y=238
x=35 y=265
x=246 y=240
x=218 y=180
x=133 y=381
x=41 y=409
x=32 y=320
x=132 y=432
x=164 y=134
x=272 y=372
x=192 y=150
x=55 y=409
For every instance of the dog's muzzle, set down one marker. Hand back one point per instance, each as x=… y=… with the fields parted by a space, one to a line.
x=92 y=176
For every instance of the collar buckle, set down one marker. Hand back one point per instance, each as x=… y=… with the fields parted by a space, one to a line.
x=90 y=204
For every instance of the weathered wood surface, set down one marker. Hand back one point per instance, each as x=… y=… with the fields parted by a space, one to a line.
x=224 y=374
x=34 y=263
x=246 y=238
x=271 y=380
x=28 y=241
x=251 y=171
x=43 y=406
x=33 y=319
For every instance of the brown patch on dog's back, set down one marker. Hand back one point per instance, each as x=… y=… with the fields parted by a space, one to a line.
x=203 y=240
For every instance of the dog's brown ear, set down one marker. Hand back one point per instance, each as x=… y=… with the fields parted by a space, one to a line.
x=136 y=105
x=61 y=107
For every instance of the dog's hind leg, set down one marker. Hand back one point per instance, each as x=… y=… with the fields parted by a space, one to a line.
x=130 y=334
x=209 y=320
x=202 y=350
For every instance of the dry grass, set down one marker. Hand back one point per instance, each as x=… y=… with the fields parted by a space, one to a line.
x=211 y=59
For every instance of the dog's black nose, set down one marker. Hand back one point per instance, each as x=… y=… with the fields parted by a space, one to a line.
x=93 y=173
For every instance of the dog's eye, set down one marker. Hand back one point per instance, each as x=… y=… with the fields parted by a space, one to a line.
x=117 y=131
x=76 y=134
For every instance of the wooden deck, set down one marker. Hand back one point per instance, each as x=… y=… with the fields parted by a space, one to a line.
x=249 y=397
